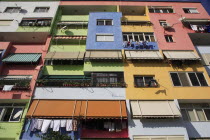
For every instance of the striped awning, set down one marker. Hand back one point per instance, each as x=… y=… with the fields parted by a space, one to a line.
x=181 y=55
x=154 y=109
x=143 y=55
x=22 y=58
x=77 y=108
x=71 y=37
x=103 y=54
x=73 y=23
x=65 y=55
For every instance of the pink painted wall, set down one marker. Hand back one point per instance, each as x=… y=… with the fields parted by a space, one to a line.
x=24 y=69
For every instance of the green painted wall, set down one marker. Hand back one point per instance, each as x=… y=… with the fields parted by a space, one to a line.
x=72 y=32
x=13 y=129
x=74 y=17
x=63 y=70
x=103 y=67
x=33 y=29
x=67 y=48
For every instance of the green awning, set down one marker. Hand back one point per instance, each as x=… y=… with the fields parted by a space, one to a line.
x=22 y=58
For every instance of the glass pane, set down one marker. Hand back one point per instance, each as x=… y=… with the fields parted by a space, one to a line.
x=141 y=37
x=139 y=81
x=7 y=114
x=152 y=38
x=109 y=38
x=125 y=38
x=207 y=112
x=175 y=79
x=99 y=38
x=202 y=79
x=184 y=114
x=16 y=114
x=147 y=38
x=191 y=114
x=100 y=22
x=108 y=22
x=184 y=79
x=200 y=115
x=193 y=79
x=148 y=81
x=136 y=38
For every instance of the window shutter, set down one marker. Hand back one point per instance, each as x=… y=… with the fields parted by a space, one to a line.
x=184 y=79
x=109 y=38
x=100 y=38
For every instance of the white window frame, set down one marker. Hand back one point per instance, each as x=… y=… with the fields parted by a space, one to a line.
x=153 y=77
x=104 y=37
x=190 y=12
x=195 y=113
x=162 y=22
x=13 y=107
x=39 y=8
x=104 y=20
x=14 y=8
x=168 y=38
x=138 y=34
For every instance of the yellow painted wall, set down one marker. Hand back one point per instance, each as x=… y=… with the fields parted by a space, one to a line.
x=136 y=17
x=131 y=28
x=166 y=90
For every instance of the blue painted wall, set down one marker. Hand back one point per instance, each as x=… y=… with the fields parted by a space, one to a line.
x=114 y=29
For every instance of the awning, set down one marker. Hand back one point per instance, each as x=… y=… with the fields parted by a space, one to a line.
x=71 y=37
x=65 y=55
x=15 y=77
x=143 y=55
x=158 y=137
x=195 y=20
x=154 y=109
x=103 y=55
x=22 y=58
x=206 y=59
x=78 y=108
x=73 y=23
x=181 y=55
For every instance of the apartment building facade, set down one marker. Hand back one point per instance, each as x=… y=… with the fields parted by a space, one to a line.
x=105 y=70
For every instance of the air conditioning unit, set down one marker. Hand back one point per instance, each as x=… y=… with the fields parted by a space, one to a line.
x=166 y=26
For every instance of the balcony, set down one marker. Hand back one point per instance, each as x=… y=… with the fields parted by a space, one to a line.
x=18 y=84
x=140 y=45
x=197 y=25
x=76 y=83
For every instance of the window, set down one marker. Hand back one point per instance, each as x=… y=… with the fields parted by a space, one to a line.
x=162 y=9
x=107 y=78
x=145 y=81
x=41 y=9
x=11 y=112
x=188 y=79
x=104 y=22
x=5 y=22
x=169 y=38
x=191 y=10
x=104 y=38
x=163 y=22
x=35 y=22
x=12 y=10
x=195 y=112
x=138 y=37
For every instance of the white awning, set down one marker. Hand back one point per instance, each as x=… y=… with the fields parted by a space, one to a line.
x=181 y=55
x=143 y=55
x=103 y=54
x=154 y=109
x=206 y=59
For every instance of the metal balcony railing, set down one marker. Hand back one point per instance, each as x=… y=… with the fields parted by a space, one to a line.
x=18 y=84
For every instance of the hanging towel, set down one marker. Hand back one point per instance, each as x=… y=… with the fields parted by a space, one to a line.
x=69 y=125
x=63 y=123
x=200 y=28
x=7 y=87
x=57 y=124
x=33 y=124
x=39 y=124
x=74 y=125
x=45 y=125
x=194 y=27
x=52 y=124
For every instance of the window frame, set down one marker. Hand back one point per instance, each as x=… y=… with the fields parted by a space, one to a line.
x=195 y=113
x=3 y=113
x=14 y=8
x=138 y=35
x=169 y=39
x=190 y=11
x=144 y=83
x=104 y=37
x=189 y=80
x=104 y=20
x=46 y=10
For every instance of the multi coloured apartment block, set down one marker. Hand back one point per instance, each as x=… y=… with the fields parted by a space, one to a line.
x=115 y=70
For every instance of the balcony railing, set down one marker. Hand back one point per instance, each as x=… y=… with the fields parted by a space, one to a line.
x=75 y=83
x=140 y=45
x=18 y=85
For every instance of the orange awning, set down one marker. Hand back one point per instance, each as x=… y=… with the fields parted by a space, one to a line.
x=78 y=108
